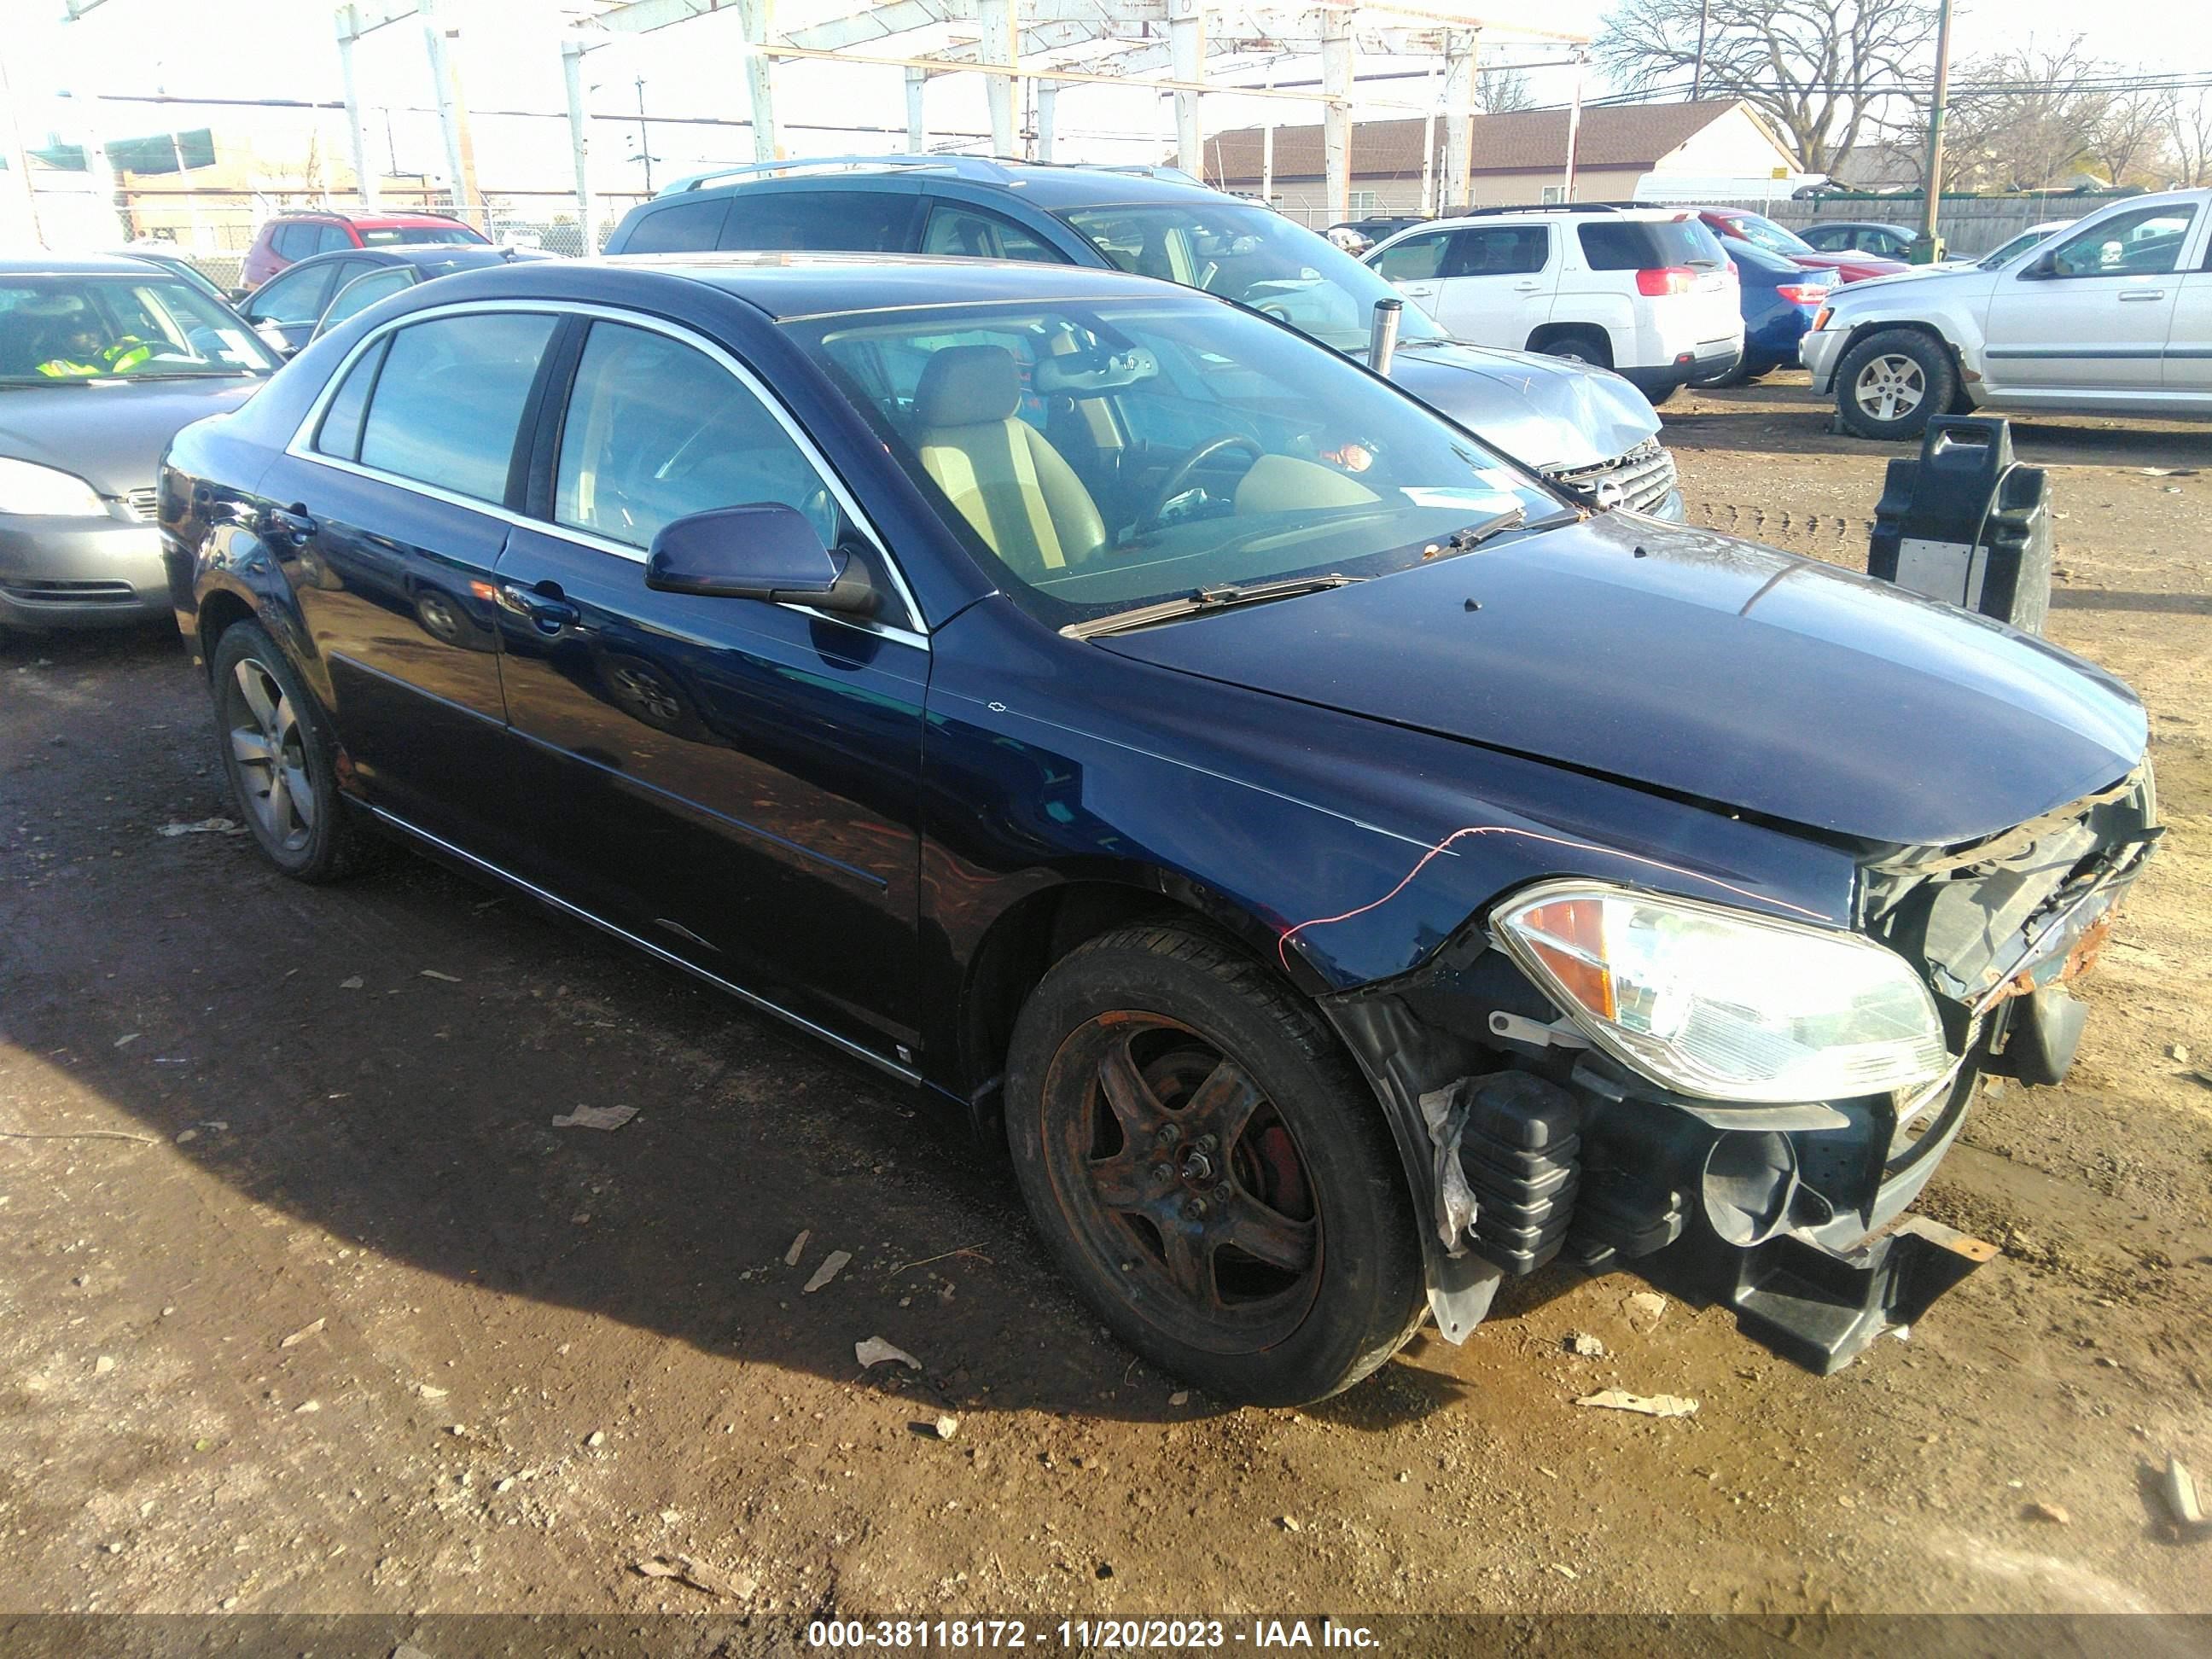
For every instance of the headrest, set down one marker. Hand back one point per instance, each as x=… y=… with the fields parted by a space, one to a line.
x=967 y=385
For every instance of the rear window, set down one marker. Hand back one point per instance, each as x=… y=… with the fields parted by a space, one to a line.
x=1647 y=245
x=833 y=221
x=394 y=235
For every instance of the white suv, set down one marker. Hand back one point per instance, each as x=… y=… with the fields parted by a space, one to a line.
x=1646 y=293
x=2114 y=315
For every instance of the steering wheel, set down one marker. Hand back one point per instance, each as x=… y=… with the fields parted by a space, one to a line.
x=1179 y=475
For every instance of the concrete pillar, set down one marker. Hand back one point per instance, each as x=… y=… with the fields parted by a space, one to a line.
x=1462 y=63
x=1336 y=62
x=917 y=130
x=580 y=143
x=19 y=171
x=1267 y=144
x=1001 y=21
x=1429 y=150
x=1186 y=54
x=452 y=114
x=1047 y=116
x=757 y=18
x=349 y=29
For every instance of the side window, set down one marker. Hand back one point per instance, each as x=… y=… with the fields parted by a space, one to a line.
x=328 y=238
x=1416 y=259
x=688 y=227
x=340 y=432
x=2144 y=243
x=657 y=431
x=293 y=240
x=291 y=298
x=449 y=402
x=363 y=292
x=829 y=220
x=977 y=235
x=1500 y=251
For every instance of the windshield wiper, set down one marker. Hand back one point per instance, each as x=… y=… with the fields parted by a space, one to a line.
x=1204 y=598
x=1470 y=536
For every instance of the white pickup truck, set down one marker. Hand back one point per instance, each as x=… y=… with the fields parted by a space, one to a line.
x=2114 y=316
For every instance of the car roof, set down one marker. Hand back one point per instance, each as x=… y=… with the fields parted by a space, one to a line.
x=75 y=265
x=787 y=285
x=371 y=216
x=1053 y=187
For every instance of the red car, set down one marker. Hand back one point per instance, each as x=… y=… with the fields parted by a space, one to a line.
x=1744 y=226
x=288 y=238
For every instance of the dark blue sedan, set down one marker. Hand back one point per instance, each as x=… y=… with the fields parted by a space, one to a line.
x=1336 y=869
x=1779 y=298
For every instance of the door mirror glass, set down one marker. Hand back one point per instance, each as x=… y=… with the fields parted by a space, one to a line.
x=763 y=551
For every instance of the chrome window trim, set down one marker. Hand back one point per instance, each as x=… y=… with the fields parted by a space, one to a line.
x=301 y=446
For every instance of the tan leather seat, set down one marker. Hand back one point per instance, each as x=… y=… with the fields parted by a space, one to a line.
x=1012 y=485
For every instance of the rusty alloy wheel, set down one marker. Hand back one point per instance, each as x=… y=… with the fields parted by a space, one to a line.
x=1175 y=1172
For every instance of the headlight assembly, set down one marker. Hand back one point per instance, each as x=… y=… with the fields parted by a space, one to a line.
x=47 y=492
x=1721 y=1003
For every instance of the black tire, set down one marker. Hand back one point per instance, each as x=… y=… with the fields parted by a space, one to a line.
x=1581 y=345
x=1664 y=395
x=1244 y=1107
x=268 y=755
x=1901 y=370
x=1735 y=375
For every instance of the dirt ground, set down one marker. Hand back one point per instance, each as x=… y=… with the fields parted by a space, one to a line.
x=305 y=1307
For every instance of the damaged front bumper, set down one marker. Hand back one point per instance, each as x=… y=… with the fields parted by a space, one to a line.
x=1528 y=1144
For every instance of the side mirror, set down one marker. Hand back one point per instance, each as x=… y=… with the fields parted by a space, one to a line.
x=763 y=551
x=2046 y=264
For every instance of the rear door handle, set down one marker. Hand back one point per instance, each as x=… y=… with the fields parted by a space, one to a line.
x=290 y=527
x=2142 y=293
x=1526 y=288
x=545 y=607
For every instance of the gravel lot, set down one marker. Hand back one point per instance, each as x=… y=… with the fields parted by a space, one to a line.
x=325 y=1317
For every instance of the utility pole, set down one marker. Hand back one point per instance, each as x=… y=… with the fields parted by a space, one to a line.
x=1574 y=129
x=1926 y=250
x=644 y=146
x=19 y=162
x=1697 y=74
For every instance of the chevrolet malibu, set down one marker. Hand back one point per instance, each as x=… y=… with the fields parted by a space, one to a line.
x=1339 y=871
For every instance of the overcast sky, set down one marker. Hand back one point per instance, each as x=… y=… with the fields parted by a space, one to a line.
x=284 y=48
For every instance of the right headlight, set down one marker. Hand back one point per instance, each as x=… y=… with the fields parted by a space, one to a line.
x=47 y=492
x=1722 y=1003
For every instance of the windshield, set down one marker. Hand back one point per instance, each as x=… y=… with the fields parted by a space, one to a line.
x=1765 y=233
x=85 y=327
x=1099 y=457
x=391 y=236
x=1256 y=257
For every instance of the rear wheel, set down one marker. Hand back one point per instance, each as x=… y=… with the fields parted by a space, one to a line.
x=1207 y=1169
x=280 y=760
x=1891 y=383
x=1579 y=345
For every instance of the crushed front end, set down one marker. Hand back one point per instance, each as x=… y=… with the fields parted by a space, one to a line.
x=1556 y=1124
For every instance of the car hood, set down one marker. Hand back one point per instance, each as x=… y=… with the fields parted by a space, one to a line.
x=1546 y=411
x=1750 y=679
x=111 y=436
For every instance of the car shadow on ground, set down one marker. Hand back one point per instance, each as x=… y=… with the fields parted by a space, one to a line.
x=383 y=1059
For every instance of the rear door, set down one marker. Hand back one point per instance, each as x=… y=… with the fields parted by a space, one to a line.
x=2098 y=320
x=2189 y=339
x=1498 y=283
x=731 y=781
x=393 y=503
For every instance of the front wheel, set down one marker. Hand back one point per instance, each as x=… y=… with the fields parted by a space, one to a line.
x=1890 y=384
x=281 y=762
x=1209 y=1170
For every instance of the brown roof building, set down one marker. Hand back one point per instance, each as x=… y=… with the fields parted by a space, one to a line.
x=1517 y=158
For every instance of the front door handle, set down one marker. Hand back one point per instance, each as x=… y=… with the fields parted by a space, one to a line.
x=545 y=607
x=2142 y=293
x=1526 y=288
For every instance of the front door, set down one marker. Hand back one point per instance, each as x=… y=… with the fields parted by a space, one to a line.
x=2093 y=314
x=733 y=782
x=391 y=529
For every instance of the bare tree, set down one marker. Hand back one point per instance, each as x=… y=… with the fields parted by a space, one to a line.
x=2129 y=139
x=2021 y=119
x=1502 y=90
x=2189 y=139
x=1821 y=70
